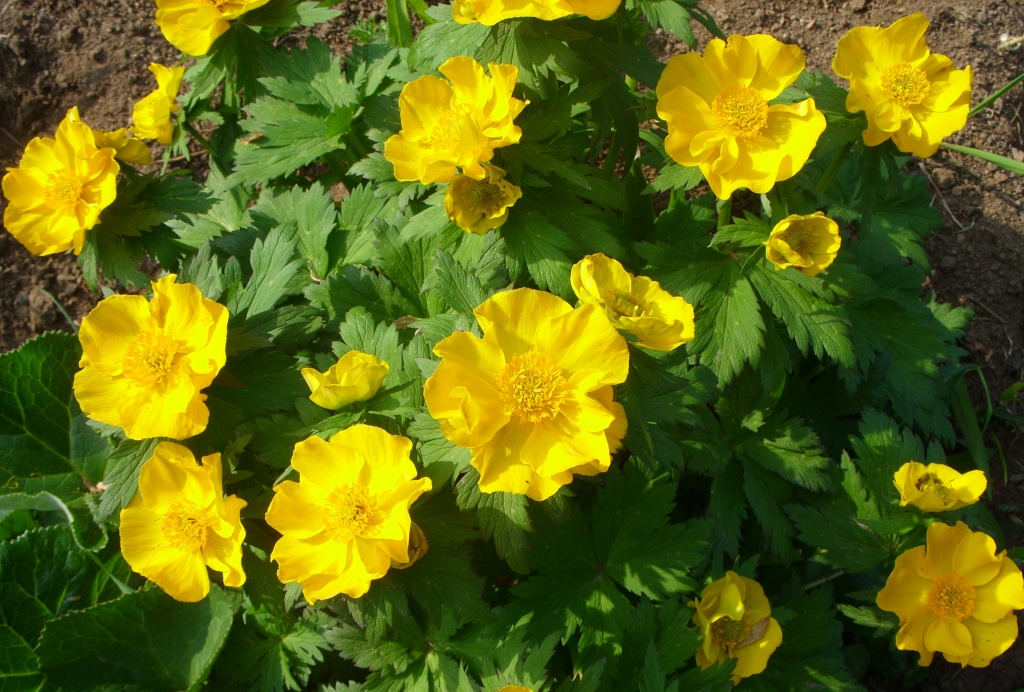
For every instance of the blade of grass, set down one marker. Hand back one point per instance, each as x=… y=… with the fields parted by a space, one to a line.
x=967 y=421
x=1001 y=161
x=996 y=94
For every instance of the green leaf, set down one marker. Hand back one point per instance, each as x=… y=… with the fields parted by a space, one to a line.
x=271 y=655
x=145 y=638
x=287 y=14
x=880 y=450
x=444 y=38
x=440 y=458
x=502 y=516
x=668 y=14
x=842 y=540
x=122 y=478
x=44 y=442
x=314 y=215
x=399 y=26
x=272 y=269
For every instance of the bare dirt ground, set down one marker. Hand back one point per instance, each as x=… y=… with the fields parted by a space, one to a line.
x=55 y=54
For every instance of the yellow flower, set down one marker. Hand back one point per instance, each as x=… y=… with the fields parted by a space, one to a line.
x=144 y=363
x=180 y=523
x=347 y=518
x=59 y=188
x=490 y=12
x=637 y=304
x=734 y=617
x=355 y=377
x=719 y=118
x=955 y=596
x=152 y=115
x=515 y=688
x=808 y=243
x=126 y=148
x=532 y=399
x=908 y=93
x=477 y=206
x=937 y=487
x=192 y=26
x=454 y=123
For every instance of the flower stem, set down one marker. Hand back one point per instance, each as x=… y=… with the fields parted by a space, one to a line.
x=824 y=580
x=833 y=168
x=724 y=213
x=204 y=143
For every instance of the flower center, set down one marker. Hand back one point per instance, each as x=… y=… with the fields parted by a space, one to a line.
x=149 y=358
x=930 y=483
x=906 y=85
x=532 y=387
x=729 y=633
x=219 y=4
x=740 y=111
x=351 y=512
x=446 y=133
x=185 y=526
x=486 y=198
x=799 y=237
x=63 y=191
x=951 y=597
x=625 y=304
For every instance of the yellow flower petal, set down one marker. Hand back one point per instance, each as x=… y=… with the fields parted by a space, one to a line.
x=355 y=377
x=989 y=640
x=193 y=25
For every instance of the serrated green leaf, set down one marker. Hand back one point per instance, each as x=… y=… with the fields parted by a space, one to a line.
x=122 y=478
x=286 y=14
x=502 y=516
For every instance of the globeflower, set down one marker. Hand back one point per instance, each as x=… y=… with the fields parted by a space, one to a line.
x=192 y=26
x=937 y=487
x=454 y=123
x=179 y=523
x=908 y=93
x=532 y=399
x=152 y=115
x=719 y=118
x=636 y=304
x=347 y=519
x=59 y=188
x=808 y=243
x=144 y=363
x=954 y=595
x=355 y=377
x=490 y=12
x=477 y=206
x=126 y=148
x=734 y=617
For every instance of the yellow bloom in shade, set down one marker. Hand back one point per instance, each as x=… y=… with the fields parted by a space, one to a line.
x=152 y=115
x=734 y=617
x=954 y=596
x=59 y=188
x=908 y=93
x=808 y=243
x=355 y=377
x=478 y=206
x=144 y=363
x=719 y=118
x=490 y=12
x=347 y=518
x=937 y=487
x=454 y=123
x=532 y=399
x=637 y=304
x=180 y=523
x=192 y=26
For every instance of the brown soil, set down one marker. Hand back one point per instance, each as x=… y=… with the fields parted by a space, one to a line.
x=55 y=54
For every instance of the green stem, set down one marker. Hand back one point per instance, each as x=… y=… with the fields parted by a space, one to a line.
x=833 y=168
x=824 y=580
x=204 y=143
x=724 y=213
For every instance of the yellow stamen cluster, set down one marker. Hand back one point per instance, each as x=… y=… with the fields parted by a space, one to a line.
x=906 y=84
x=149 y=357
x=741 y=111
x=800 y=236
x=929 y=482
x=625 y=304
x=351 y=511
x=185 y=526
x=952 y=597
x=63 y=191
x=486 y=197
x=729 y=633
x=532 y=387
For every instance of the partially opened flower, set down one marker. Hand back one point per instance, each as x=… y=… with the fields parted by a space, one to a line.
x=192 y=26
x=478 y=206
x=126 y=148
x=59 y=188
x=145 y=363
x=636 y=304
x=355 y=377
x=808 y=243
x=490 y=12
x=152 y=115
x=909 y=94
x=719 y=117
x=180 y=523
x=954 y=596
x=734 y=617
x=937 y=487
x=347 y=519
x=532 y=399
x=454 y=123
